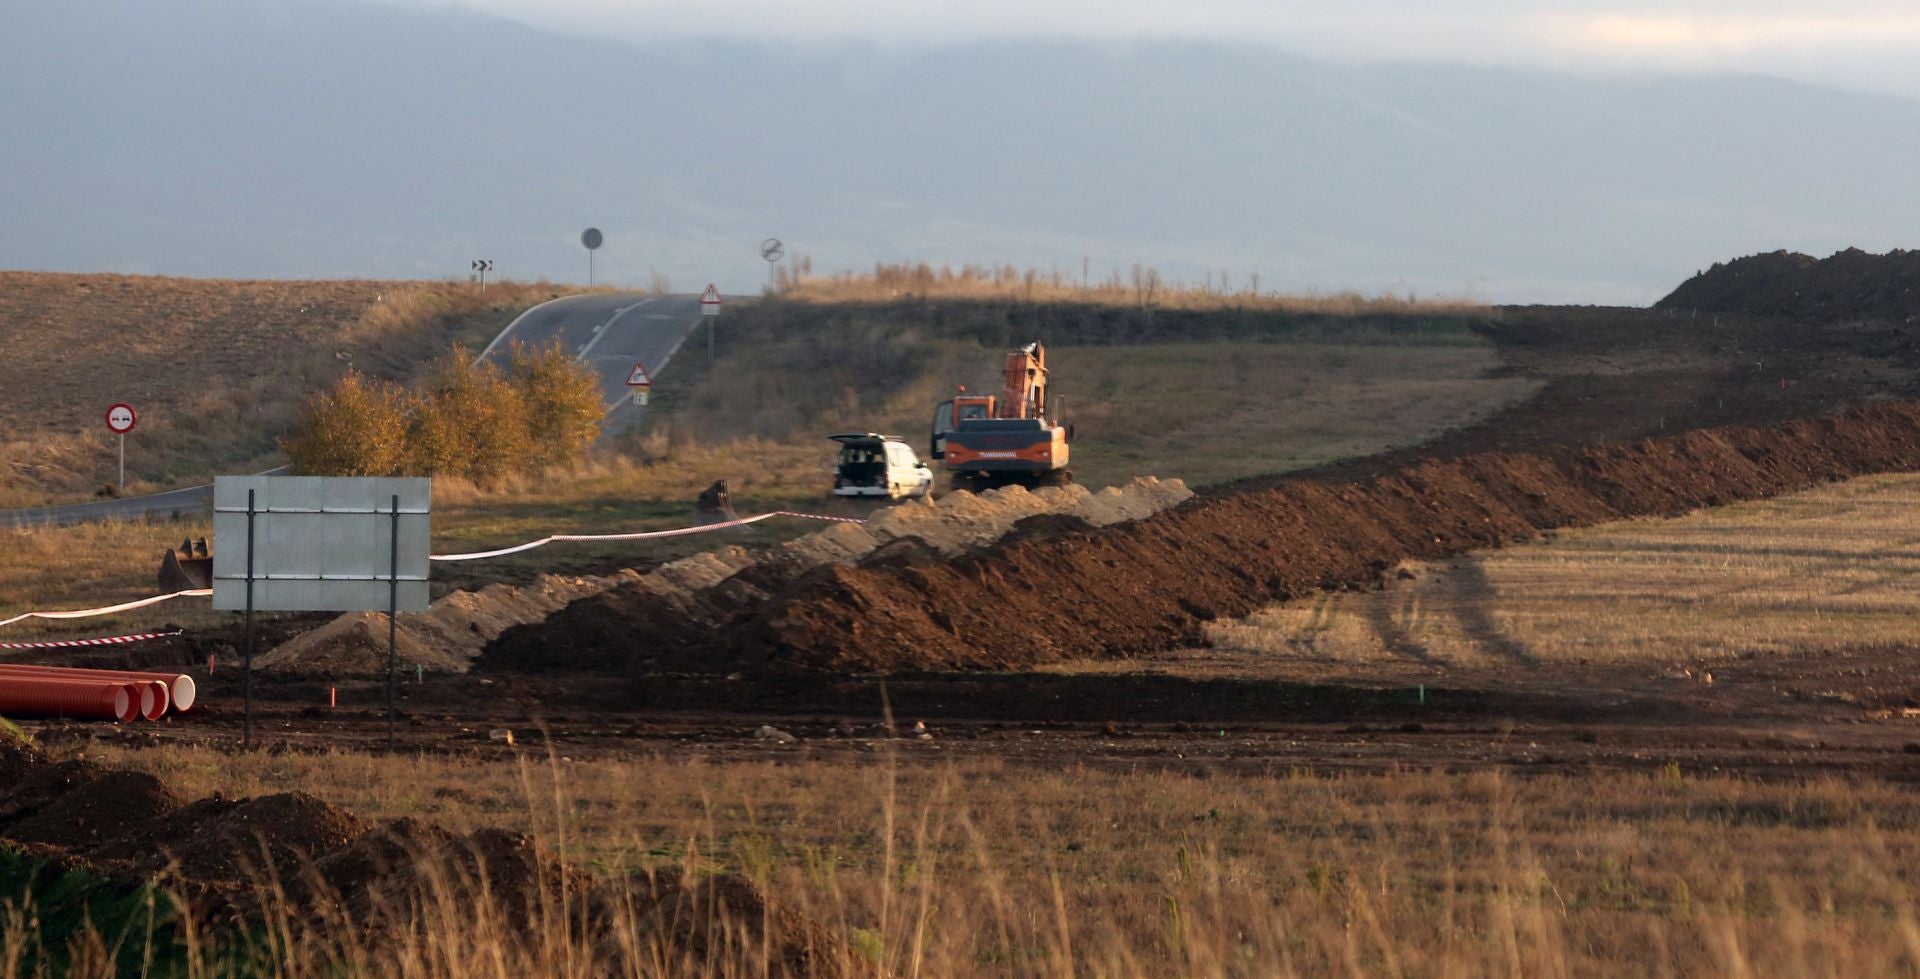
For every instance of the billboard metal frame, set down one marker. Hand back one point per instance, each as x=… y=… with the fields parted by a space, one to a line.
x=321 y=543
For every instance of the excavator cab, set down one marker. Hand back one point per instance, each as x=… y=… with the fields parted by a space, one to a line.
x=948 y=415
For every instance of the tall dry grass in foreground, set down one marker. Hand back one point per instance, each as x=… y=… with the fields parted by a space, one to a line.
x=983 y=868
x=1140 y=286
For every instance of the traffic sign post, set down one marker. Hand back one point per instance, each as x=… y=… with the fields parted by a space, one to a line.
x=483 y=266
x=710 y=308
x=771 y=250
x=120 y=420
x=641 y=382
x=591 y=238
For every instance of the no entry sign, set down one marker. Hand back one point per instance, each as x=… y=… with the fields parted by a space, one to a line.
x=121 y=418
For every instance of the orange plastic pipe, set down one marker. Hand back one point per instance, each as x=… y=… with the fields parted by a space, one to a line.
x=181 y=691
x=87 y=700
x=153 y=698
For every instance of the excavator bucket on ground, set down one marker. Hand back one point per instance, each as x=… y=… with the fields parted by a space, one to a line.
x=186 y=567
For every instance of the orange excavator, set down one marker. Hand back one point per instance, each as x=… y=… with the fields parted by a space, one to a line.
x=987 y=441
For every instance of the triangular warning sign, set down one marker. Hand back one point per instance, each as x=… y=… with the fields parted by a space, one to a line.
x=711 y=297
x=639 y=378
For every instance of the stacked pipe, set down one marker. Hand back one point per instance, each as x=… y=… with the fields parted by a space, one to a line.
x=95 y=695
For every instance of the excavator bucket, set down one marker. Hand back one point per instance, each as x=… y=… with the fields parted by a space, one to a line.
x=186 y=567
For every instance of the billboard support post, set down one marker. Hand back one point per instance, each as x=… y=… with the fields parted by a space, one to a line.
x=393 y=617
x=246 y=665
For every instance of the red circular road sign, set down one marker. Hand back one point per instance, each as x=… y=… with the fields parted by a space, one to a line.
x=121 y=418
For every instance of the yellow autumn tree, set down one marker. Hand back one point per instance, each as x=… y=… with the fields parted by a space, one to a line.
x=563 y=402
x=472 y=422
x=359 y=428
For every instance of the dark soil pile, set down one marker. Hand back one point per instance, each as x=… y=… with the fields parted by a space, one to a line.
x=1849 y=285
x=1146 y=586
x=638 y=627
x=249 y=860
x=96 y=810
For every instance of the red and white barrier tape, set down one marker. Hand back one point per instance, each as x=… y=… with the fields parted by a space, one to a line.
x=647 y=535
x=102 y=641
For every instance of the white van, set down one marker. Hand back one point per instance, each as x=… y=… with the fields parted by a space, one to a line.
x=879 y=465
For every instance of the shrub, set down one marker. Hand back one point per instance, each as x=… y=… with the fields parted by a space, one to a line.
x=469 y=420
x=563 y=402
x=471 y=423
x=360 y=428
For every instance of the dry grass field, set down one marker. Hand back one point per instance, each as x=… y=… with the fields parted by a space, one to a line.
x=1138 y=287
x=985 y=868
x=213 y=366
x=1210 y=413
x=1202 y=412
x=1830 y=568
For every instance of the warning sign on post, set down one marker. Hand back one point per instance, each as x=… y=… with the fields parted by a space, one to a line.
x=640 y=381
x=710 y=301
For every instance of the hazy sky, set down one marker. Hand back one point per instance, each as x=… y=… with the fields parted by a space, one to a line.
x=1864 y=44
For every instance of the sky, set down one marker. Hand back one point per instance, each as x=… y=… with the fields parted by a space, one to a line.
x=1871 y=45
x=1588 y=151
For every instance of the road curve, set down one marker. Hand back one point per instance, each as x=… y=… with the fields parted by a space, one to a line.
x=610 y=331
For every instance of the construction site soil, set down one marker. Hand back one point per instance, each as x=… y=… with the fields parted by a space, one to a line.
x=1848 y=285
x=824 y=653
x=290 y=860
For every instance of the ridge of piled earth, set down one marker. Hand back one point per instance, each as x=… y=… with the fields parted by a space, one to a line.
x=1850 y=284
x=1149 y=585
x=447 y=637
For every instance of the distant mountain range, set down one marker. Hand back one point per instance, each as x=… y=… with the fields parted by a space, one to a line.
x=319 y=138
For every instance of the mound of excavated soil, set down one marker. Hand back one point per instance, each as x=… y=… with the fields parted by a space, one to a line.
x=459 y=627
x=443 y=639
x=1849 y=285
x=97 y=810
x=286 y=832
x=1148 y=585
x=129 y=826
x=658 y=623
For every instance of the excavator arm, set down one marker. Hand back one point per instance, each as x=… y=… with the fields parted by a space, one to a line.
x=1025 y=391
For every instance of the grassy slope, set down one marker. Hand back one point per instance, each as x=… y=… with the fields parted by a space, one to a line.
x=214 y=367
x=1201 y=394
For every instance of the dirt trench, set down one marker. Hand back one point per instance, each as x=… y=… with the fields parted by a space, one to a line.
x=1149 y=585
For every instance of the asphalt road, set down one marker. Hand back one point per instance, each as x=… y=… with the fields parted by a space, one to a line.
x=611 y=332
x=608 y=330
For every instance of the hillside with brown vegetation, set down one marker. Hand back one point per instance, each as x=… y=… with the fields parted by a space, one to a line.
x=213 y=366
